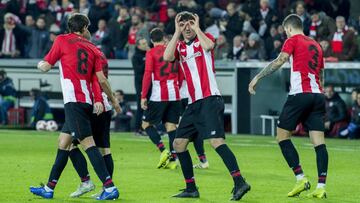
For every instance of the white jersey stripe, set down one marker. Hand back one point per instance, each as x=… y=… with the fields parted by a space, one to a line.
x=194 y=72
x=211 y=75
x=314 y=86
x=67 y=87
x=155 y=93
x=171 y=90
x=85 y=90
x=107 y=104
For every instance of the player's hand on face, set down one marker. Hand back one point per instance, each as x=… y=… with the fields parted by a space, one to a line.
x=98 y=108
x=194 y=24
x=252 y=86
x=144 y=104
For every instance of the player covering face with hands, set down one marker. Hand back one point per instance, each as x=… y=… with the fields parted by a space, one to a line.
x=204 y=116
x=305 y=103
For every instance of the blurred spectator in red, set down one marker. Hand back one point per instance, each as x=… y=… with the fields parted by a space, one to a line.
x=119 y=29
x=336 y=113
x=101 y=38
x=221 y=48
x=264 y=17
x=12 y=38
x=328 y=55
x=39 y=39
x=254 y=49
x=98 y=11
x=300 y=10
x=137 y=30
x=322 y=26
x=170 y=25
x=233 y=24
x=343 y=41
x=352 y=131
x=160 y=8
x=237 y=48
x=56 y=11
x=67 y=7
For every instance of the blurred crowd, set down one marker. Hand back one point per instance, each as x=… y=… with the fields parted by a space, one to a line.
x=244 y=29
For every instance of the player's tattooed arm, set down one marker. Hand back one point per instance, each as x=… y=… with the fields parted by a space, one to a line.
x=274 y=65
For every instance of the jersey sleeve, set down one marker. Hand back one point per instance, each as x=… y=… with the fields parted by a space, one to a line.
x=289 y=46
x=100 y=61
x=55 y=52
x=149 y=67
x=208 y=35
x=96 y=89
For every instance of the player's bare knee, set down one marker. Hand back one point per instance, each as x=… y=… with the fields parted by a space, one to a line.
x=317 y=138
x=64 y=141
x=87 y=142
x=282 y=135
x=145 y=125
x=216 y=142
x=170 y=127
x=179 y=145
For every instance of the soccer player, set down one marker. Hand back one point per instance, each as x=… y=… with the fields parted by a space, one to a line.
x=164 y=104
x=77 y=61
x=204 y=116
x=305 y=103
x=100 y=125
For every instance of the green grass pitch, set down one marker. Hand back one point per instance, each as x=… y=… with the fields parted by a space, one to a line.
x=27 y=156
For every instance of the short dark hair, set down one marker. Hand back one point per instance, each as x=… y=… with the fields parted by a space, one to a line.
x=3 y=73
x=294 y=21
x=157 y=35
x=36 y=92
x=120 y=92
x=77 y=22
x=186 y=15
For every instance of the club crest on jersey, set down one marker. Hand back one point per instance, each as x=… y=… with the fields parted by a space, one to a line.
x=182 y=50
x=196 y=44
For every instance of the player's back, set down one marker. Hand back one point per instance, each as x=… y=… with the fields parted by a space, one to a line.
x=77 y=63
x=165 y=83
x=306 y=60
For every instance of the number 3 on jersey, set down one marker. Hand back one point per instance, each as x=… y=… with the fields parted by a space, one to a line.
x=313 y=64
x=82 y=57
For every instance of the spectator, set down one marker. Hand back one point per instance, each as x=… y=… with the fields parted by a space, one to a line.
x=98 y=11
x=39 y=39
x=211 y=27
x=328 y=55
x=119 y=30
x=247 y=27
x=269 y=41
x=277 y=45
x=41 y=109
x=254 y=49
x=8 y=94
x=138 y=62
x=12 y=37
x=354 y=94
x=101 y=38
x=352 y=131
x=237 y=48
x=322 y=26
x=234 y=24
x=29 y=21
x=221 y=48
x=214 y=12
x=264 y=17
x=281 y=32
x=305 y=17
x=336 y=113
x=56 y=11
x=54 y=31
x=170 y=25
x=84 y=7
x=67 y=7
x=123 y=119
x=137 y=30
x=343 y=42
x=30 y=24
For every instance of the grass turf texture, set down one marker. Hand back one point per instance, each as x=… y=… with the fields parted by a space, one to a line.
x=27 y=156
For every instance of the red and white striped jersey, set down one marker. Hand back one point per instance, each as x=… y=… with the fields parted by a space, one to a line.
x=306 y=61
x=77 y=66
x=199 y=69
x=163 y=76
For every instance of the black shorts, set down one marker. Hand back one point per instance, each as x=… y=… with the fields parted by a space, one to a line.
x=184 y=104
x=167 y=112
x=77 y=120
x=203 y=118
x=101 y=129
x=305 y=108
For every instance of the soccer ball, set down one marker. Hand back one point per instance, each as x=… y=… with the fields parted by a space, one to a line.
x=51 y=126
x=41 y=125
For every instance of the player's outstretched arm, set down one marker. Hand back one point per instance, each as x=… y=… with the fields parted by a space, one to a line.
x=105 y=85
x=44 y=66
x=269 y=69
x=171 y=46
